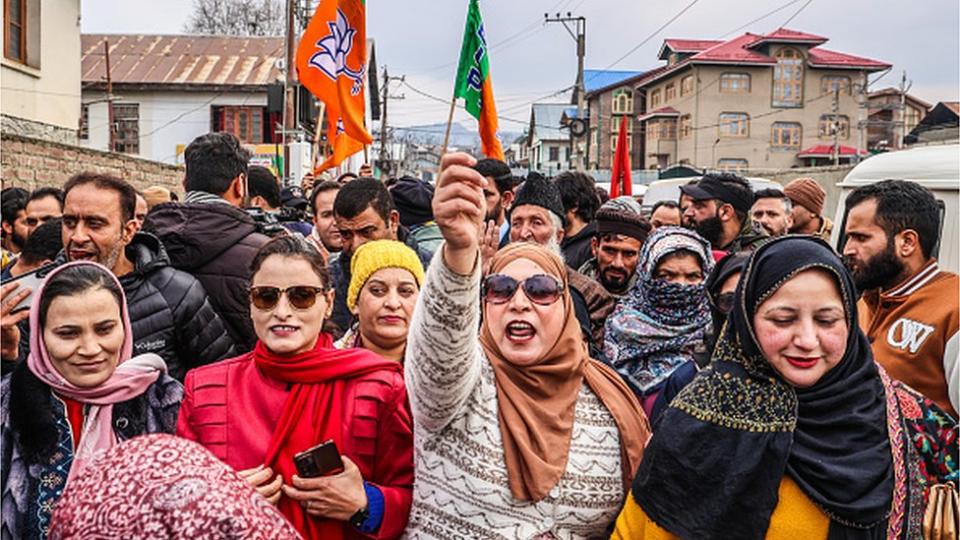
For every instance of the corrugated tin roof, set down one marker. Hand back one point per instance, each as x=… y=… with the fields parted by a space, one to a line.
x=182 y=60
x=595 y=79
x=544 y=116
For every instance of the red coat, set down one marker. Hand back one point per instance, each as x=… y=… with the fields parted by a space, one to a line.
x=231 y=408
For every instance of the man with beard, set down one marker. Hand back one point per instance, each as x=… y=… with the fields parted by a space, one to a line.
x=621 y=231
x=498 y=192
x=771 y=209
x=168 y=308
x=909 y=308
x=14 y=223
x=719 y=212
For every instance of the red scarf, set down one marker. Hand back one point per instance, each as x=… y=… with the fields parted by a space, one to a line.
x=312 y=413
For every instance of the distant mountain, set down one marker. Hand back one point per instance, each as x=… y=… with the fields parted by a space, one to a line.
x=459 y=136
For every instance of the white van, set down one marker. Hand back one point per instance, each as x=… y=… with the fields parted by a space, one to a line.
x=935 y=167
x=639 y=190
x=669 y=189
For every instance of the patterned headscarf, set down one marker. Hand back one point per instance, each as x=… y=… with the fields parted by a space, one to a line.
x=658 y=326
x=161 y=486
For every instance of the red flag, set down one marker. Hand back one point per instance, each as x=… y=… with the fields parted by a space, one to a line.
x=620 y=170
x=332 y=64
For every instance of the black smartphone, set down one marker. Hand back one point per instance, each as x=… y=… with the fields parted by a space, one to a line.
x=32 y=280
x=321 y=460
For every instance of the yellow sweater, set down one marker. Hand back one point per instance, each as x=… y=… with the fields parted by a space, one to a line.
x=794 y=517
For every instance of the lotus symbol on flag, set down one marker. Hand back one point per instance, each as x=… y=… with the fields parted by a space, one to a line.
x=331 y=56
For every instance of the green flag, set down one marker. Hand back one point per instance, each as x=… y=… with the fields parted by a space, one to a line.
x=474 y=84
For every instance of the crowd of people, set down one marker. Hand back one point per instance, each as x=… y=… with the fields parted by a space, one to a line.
x=489 y=356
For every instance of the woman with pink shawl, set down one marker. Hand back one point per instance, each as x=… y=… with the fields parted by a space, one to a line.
x=80 y=392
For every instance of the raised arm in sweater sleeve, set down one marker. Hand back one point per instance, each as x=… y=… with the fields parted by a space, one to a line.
x=443 y=355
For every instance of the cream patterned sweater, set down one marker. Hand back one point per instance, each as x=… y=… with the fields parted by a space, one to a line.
x=461 y=488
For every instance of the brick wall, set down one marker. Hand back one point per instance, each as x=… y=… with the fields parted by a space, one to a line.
x=30 y=163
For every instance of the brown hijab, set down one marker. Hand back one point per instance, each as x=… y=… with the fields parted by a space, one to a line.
x=537 y=402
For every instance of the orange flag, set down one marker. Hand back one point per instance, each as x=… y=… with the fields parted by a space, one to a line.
x=620 y=171
x=332 y=64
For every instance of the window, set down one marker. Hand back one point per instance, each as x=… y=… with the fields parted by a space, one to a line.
x=84 y=132
x=613 y=144
x=828 y=84
x=623 y=101
x=671 y=92
x=655 y=98
x=735 y=165
x=554 y=153
x=826 y=126
x=686 y=126
x=245 y=123
x=734 y=124
x=686 y=85
x=15 y=31
x=664 y=128
x=566 y=154
x=734 y=83
x=126 y=118
x=616 y=124
x=785 y=136
x=594 y=136
x=788 y=78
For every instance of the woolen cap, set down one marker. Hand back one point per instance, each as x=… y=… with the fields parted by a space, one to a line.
x=414 y=201
x=541 y=192
x=377 y=255
x=807 y=193
x=623 y=216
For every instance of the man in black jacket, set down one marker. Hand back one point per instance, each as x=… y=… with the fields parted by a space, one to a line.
x=168 y=309
x=209 y=235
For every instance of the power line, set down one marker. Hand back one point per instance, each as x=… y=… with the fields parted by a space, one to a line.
x=760 y=18
x=653 y=35
x=804 y=6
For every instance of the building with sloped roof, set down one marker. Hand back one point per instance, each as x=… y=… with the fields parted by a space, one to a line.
x=547 y=142
x=753 y=101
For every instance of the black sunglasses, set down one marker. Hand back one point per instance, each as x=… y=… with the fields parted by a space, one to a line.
x=540 y=289
x=300 y=296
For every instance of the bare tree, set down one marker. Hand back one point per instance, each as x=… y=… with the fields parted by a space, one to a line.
x=237 y=18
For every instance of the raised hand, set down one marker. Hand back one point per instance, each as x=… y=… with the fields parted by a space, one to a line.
x=459 y=208
x=9 y=332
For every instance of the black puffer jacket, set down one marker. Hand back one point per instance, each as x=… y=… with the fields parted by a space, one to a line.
x=170 y=312
x=215 y=243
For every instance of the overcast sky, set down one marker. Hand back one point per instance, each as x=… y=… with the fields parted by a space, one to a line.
x=529 y=60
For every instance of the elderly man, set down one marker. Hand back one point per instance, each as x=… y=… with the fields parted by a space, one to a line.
x=621 y=231
x=537 y=216
x=807 y=197
x=771 y=209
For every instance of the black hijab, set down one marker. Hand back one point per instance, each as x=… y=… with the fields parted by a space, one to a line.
x=729 y=437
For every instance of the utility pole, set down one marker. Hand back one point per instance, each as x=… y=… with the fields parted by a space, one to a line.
x=580 y=36
x=836 y=126
x=386 y=161
x=110 y=123
x=904 y=88
x=289 y=84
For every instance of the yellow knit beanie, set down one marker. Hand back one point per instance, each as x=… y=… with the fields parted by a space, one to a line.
x=377 y=255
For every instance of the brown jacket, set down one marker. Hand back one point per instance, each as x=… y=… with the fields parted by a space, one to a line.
x=913 y=329
x=599 y=302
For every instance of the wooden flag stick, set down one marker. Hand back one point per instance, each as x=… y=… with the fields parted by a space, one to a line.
x=446 y=136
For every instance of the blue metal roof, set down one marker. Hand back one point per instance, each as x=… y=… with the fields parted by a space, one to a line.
x=595 y=79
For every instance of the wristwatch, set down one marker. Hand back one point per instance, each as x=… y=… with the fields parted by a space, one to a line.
x=360 y=517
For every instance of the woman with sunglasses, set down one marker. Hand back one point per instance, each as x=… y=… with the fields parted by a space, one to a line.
x=385 y=279
x=659 y=329
x=293 y=392
x=793 y=431
x=520 y=433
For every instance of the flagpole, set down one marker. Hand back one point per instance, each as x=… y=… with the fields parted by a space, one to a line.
x=446 y=136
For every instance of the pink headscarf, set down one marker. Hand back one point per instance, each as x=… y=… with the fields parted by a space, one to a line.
x=131 y=378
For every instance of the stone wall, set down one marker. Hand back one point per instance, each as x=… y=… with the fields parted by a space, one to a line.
x=31 y=163
x=36 y=130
